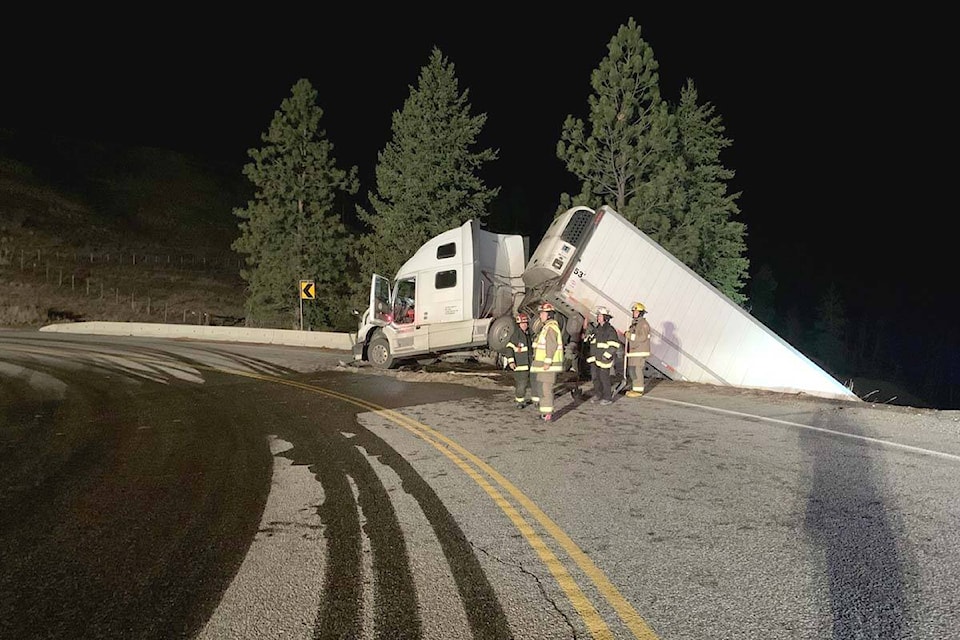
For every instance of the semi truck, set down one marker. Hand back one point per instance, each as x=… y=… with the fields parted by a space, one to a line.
x=462 y=289
x=458 y=292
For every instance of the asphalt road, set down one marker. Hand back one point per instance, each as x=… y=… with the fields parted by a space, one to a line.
x=153 y=489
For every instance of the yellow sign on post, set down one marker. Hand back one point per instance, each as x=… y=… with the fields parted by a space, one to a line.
x=307 y=290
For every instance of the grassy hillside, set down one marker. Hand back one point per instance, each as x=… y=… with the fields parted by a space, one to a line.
x=97 y=233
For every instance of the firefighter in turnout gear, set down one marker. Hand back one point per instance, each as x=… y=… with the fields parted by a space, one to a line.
x=604 y=342
x=518 y=360
x=547 y=359
x=638 y=349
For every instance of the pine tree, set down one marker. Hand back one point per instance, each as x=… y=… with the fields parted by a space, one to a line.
x=290 y=231
x=829 y=333
x=702 y=232
x=657 y=166
x=618 y=151
x=763 y=290
x=427 y=175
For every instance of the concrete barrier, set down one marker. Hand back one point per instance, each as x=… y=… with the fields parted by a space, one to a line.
x=326 y=339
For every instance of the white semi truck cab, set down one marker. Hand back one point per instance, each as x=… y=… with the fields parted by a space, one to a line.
x=459 y=291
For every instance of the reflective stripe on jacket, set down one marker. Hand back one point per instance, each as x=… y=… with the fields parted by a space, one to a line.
x=518 y=349
x=638 y=336
x=548 y=348
x=606 y=343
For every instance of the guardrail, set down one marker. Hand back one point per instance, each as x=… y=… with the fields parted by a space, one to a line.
x=320 y=339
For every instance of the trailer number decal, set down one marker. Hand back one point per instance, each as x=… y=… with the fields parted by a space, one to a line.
x=577 y=272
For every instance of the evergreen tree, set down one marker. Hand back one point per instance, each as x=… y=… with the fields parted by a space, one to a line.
x=702 y=231
x=829 y=332
x=618 y=152
x=427 y=175
x=290 y=231
x=658 y=167
x=763 y=290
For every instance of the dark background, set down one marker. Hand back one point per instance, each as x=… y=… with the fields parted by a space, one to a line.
x=840 y=121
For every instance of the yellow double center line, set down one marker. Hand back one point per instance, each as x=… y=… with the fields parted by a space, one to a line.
x=460 y=457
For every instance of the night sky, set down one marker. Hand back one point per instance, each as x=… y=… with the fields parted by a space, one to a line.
x=840 y=123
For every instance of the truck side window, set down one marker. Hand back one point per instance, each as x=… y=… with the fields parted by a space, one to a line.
x=447 y=250
x=445 y=280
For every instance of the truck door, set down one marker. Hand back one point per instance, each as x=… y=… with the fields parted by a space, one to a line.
x=381 y=303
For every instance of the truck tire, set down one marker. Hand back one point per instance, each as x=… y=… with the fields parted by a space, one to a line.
x=378 y=353
x=499 y=333
x=574 y=326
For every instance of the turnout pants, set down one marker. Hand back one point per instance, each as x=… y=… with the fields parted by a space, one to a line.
x=521 y=382
x=601 y=382
x=543 y=387
x=635 y=366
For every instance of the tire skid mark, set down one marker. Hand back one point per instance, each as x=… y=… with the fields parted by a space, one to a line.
x=484 y=613
x=395 y=603
x=472 y=466
x=346 y=456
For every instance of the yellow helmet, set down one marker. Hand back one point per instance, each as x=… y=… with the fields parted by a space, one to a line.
x=638 y=306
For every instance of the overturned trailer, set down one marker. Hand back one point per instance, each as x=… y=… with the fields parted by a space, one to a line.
x=589 y=258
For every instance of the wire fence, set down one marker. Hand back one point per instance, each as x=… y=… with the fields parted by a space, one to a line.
x=132 y=286
x=35 y=257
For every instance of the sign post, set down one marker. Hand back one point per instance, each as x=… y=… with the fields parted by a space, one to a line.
x=308 y=291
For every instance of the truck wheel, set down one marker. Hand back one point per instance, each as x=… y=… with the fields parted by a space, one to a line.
x=574 y=325
x=499 y=334
x=378 y=353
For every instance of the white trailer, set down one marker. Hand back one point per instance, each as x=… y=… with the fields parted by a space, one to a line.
x=589 y=258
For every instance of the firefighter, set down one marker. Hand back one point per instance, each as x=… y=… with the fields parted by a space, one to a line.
x=547 y=359
x=604 y=342
x=518 y=360
x=638 y=349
